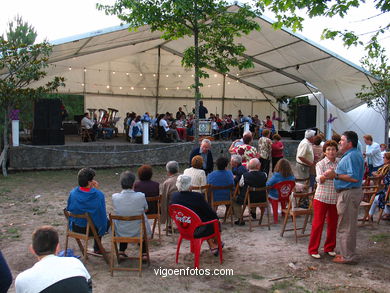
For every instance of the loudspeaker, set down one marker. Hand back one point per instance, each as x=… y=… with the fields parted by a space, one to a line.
x=55 y=118
x=306 y=117
x=56 y=137
x=47 y=114
x=40 y=136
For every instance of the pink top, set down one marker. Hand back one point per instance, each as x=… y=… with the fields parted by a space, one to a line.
x=277 y=149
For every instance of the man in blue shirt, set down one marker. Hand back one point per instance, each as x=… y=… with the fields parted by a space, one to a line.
x=348 y=183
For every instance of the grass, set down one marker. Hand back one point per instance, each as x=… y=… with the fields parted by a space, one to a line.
x=382 y=237
x=10 y=233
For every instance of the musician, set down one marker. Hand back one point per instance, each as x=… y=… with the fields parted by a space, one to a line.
x=164 y=124
x=106 y=126
x=202 y=111
x=89 y=125
x=180 y=113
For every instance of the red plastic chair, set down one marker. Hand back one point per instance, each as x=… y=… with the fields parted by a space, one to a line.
x=187 y=221
x=284 y=189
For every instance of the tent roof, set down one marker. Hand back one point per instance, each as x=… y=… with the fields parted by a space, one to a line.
x=285 y=64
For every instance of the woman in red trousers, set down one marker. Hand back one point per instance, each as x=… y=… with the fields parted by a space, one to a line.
x=324 y=204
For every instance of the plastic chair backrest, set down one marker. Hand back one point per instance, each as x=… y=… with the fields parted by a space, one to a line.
x=186 y=220
x=284 y=188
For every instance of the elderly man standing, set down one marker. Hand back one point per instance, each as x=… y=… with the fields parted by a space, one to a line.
x=168 y=188
x=305 y=155
x=373 y=154
x=348 y=184
x=205 y=151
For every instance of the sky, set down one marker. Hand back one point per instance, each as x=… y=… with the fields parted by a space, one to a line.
x=54 y=19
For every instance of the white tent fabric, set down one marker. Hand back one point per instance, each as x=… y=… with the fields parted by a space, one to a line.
x=138 y=70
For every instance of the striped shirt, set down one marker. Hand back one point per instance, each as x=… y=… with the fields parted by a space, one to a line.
x=325 y=192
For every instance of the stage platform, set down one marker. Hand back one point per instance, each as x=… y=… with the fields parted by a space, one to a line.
x=116 y=152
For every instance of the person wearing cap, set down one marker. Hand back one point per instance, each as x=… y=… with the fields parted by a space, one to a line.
x=305 y=155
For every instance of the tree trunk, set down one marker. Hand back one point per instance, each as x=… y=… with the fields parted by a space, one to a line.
x=197 y=92
x=4 y=153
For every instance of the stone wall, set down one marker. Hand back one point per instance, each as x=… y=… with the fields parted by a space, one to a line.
x=28 y=157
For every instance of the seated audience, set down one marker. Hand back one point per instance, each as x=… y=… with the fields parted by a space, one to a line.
x=379 y=200
x=87 y=198
x=253 y=178
x=237 y=168
x=5 y=275
x=205 y=151
x=129 y=203
x=168 y=188
x=52 y=273
x=283 y=172
x=198 y=176
x=221 y=177
x=245 y=150
x=147 y=186
x=196 y=202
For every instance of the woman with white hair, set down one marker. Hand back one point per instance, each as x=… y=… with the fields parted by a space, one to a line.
x=196 y=202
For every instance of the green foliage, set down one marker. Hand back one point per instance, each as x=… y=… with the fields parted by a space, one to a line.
x=211 y=26
x=22 y=63
x=287 y=11
x=376 y=94
x=292 y=104
x=22 y=33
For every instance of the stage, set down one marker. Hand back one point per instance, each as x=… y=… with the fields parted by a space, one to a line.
x=115 y=152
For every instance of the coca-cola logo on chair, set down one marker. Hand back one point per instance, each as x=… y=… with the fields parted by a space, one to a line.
x=184 y=220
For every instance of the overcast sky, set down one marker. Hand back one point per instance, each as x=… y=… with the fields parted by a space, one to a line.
x=54 y=19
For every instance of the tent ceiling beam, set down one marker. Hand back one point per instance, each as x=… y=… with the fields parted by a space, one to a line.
x=83 y=46
x=282 y=84
x=174 y=52
x=172 y=97
x=58 y=59
x=275 y=69
x=277 y=48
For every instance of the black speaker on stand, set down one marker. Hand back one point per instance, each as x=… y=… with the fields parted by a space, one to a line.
x=306 y=119
x=48 y=123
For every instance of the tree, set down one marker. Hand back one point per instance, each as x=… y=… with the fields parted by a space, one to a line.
x=377 y=95
x=288 y=13
x=209 y=23
x=21 y=63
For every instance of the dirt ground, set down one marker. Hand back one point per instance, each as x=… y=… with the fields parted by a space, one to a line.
x=262 y=261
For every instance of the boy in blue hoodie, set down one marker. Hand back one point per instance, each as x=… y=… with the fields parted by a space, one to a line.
x=86 y=198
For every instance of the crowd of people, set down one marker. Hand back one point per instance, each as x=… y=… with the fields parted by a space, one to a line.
x=337 y=169
x=177 y=128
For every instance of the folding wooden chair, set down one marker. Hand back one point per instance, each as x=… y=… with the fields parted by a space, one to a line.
x=227 y=202
x=293 y=210
x=141 y=241
x=369 y=193
x=85 y=135
x=201 y=189
x=155 y=217
x=90 y=233
x=261 y=204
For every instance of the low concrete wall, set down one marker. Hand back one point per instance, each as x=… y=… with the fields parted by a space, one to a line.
x=28 y=157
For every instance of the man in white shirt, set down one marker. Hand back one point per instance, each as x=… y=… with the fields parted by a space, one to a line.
x=89 y=125
x=52 y=273
x=373 y=154
x=305 y=155
x=164 y=124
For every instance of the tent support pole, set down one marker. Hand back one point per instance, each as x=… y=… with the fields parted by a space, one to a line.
x=223 y=95
x=325 y=117
x=158 y=78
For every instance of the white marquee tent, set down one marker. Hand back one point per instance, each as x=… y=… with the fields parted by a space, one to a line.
x=138 y=71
